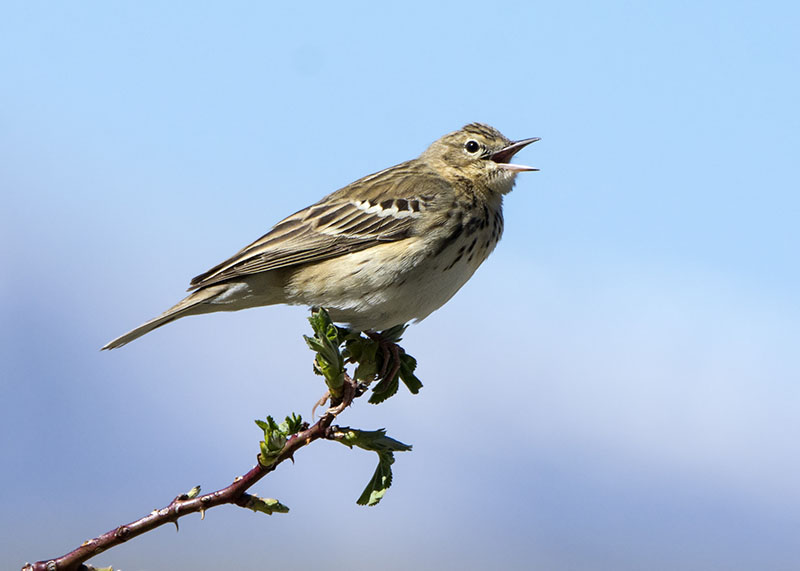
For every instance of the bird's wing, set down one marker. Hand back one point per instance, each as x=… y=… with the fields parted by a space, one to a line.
x=337 y=225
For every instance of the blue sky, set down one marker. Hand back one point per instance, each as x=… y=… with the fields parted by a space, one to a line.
x=616 y=388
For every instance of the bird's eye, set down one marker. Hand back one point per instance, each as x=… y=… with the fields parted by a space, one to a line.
x=472 y=146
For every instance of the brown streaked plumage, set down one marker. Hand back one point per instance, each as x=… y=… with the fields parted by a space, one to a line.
x=388 y=248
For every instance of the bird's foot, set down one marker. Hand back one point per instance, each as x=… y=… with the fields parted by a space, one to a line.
x=390 y=356
x=350 y=390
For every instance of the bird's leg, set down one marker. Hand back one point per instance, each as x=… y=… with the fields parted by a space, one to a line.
x=384 y=349
x=350 y=390
x=390 y=353
x=395 y=350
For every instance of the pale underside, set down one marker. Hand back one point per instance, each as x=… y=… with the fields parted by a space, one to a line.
x=371 y=289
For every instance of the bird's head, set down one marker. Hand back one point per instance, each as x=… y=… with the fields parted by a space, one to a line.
x=479 y=153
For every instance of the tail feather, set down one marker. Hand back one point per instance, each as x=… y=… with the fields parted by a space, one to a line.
x=190 y=305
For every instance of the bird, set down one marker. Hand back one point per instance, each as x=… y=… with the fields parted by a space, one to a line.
x=387 y=249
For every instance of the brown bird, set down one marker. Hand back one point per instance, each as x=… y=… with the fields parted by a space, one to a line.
x=386 y=249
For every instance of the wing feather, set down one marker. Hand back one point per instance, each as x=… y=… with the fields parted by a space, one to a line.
x=339 y=224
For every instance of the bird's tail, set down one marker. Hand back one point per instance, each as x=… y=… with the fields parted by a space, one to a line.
x=190 y=305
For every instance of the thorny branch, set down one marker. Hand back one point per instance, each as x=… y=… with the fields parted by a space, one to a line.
x=377 y=357
x=184 y=504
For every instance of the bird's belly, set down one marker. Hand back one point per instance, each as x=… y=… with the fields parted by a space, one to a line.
x=387 y=285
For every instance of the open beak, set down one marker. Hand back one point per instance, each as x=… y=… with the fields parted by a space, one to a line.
x=505 y=154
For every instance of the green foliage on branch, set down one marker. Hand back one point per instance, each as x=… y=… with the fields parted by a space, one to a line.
x=275 y=436
x=371 y=354
x=326 y=343
x=375 y=357
x=268 y=506
x=384 y=446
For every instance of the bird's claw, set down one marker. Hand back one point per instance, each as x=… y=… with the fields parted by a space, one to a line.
x=390 y=352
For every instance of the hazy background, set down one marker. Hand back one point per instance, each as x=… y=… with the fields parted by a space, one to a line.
x=618 y=386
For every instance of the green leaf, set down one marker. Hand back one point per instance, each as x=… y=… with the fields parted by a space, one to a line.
x=380 y=482
x=383 y=390
x=268 y=506
x=366 y=370
x=407 y=366
x=362 y=351
x=354 y=347
x=266 y=457
x=325 y=343
x=275 y=436
x=375 y=440
x=394 y=335
x=292 y=425
x=384 y=446
x=319 y=319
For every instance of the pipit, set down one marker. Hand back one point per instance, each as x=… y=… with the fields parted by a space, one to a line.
x=386 y=249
